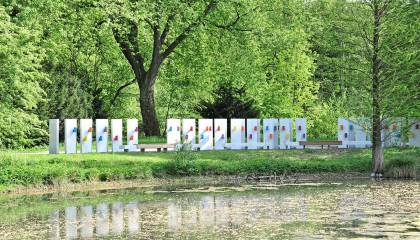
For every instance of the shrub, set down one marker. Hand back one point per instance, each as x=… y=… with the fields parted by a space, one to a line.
x=184 y=162
x=400 y=168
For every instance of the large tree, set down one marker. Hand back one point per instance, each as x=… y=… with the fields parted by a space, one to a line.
x=20 y=78
x=148 y=32
x=390 y=38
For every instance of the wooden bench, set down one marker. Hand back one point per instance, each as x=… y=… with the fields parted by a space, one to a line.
x=320 y=143
x=143 y=147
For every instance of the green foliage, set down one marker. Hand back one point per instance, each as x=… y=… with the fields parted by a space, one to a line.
x=20 y=91
x=183 y=162
x=229 y=102
x=60 y=59
x=400 y=166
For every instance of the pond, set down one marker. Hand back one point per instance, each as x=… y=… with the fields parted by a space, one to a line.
x=355 y=209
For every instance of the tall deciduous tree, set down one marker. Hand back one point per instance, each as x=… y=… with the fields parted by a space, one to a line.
x=393 y=60
x=20 y=77
x=165 y=24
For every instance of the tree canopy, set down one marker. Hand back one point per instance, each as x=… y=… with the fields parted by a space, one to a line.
x=153 y=60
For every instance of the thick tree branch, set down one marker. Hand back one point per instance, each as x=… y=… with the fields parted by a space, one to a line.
x=125 y=48
x=156 y=57
x=132 y=38
x=188 y=30
x=165 y=31
x=232 y=24
x=120 y=89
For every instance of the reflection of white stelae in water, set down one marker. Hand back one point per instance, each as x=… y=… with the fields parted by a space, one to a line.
x=174 y=216
x=86 y=222
x=303 y=208
x=117 y=218
x=210 y=211
x=71 y=222
x=133 y=218
x=221 y=211
x=86 y=217
x=237 y=206
x=55 y=225
x=190 y=214
x=206 y=213
x=102 y=219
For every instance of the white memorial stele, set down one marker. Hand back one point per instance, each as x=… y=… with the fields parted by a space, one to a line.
x=205 y=131
x=188 y=131
x=253 y=129
x=86 y=133
x=102 y=135
x=391 y=132
x=301 y=133
x=414 y=133
x=220 y=133
x=54 y=140
x=343 y=132
x=173 y=131
x=237 y=133
x=395 y=132
x=358 y=133
x=286 y=130
x=116 y=135
x=70 y=135
x=132 y=134
x=270 y=133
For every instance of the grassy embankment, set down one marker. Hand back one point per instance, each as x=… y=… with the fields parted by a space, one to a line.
x=32 y=170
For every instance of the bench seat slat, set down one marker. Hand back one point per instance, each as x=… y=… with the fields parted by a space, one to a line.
x=319 y=143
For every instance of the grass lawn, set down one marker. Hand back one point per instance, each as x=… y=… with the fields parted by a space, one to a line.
x=20 y=169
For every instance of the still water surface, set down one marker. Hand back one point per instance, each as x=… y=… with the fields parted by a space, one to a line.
x=362 y=209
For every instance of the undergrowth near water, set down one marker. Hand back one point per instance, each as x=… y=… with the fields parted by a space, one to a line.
x=17 y=169
x=402 y=167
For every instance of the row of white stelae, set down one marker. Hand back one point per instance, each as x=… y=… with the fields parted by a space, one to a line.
x=244 y=133
x=354 y=133
x=86 y=135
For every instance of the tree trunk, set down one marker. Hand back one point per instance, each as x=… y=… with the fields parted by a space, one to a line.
x=148 y=110
x=377 y=154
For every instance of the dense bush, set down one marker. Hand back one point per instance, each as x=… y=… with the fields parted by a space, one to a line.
x=183 y=163
x=401 y=167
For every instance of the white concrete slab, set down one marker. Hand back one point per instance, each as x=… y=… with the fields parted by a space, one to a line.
x=116 y=129
x=220 y=133
x=102 y=132
x=86 y=133
x=270 y=133
x=286 y=132
x=54 y=139
x=70 y=136
x=414 y=133
x=173 y=131
x=205 y=131
x=132 y=134
x=253 y=136
x=237 y=133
